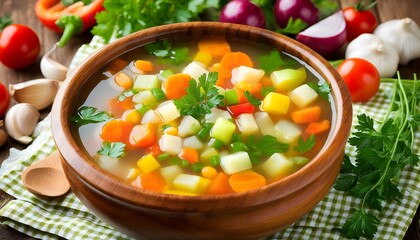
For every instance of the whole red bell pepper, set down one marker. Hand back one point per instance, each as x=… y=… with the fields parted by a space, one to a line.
x=73 y=19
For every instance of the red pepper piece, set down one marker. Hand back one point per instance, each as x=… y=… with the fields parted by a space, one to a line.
x=240 y=108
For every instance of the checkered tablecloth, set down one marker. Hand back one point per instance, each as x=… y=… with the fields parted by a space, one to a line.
x=68 y=218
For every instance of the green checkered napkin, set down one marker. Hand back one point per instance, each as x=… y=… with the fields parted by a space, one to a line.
x=68 y=218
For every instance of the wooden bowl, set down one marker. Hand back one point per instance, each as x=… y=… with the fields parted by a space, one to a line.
x=247 y=215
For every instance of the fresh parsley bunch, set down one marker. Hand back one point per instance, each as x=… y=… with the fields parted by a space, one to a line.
x=383 y=150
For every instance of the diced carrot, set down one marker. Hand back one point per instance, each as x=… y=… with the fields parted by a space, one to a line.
x=117 y=65
x=266 y=81
x=116 y=130
x=123 y=80
x=254 y=88
x=118 y=107
x=154 y=150
x=176 y=85
x=224 y=75
x=217 y=48
x=189 y=154
x=143 y=65
x=219 y=185
x=153 y=181
x=143 y=135
x=306 y=115
x=232 y=60
x=316 y=127
x=246 y=180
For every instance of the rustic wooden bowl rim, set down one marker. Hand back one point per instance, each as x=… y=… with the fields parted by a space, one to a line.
x=103 y=181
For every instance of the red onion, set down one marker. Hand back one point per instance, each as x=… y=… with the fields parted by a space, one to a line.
x=303 y=9
x=242 y=12
x=325 y=36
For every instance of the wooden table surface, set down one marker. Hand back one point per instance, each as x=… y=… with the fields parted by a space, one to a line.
x=22 y=11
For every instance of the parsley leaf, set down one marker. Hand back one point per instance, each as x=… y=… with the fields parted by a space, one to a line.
x=86 y=115
x=323 y=89
x=251 y=99
x=167 y=53
x=115 y=149
x=361 y=224
x=273 y=61
x=305 y=145
x=201 y=97
x=294 y=26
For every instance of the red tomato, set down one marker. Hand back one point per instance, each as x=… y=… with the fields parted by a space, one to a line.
x=358 y=22
x=4 y=100
x=361 y=77
x=19 y=46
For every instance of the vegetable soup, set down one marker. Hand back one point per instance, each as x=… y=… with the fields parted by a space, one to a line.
x=204 y=117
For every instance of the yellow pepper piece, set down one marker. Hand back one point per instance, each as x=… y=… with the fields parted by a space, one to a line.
x=276 y=103
x=148 y=164
x=203 y=57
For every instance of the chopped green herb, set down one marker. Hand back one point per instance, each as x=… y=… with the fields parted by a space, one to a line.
x=86 y=115
x=115 y=149
x=294 y=26
x=251 y=99
x=323 y=89
x=273 y=61
x=167 y=53
x=266 y=90
x=201 y=97
x=305 y=145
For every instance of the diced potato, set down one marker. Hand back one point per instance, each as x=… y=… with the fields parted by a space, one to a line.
x=168 y=111
x=265 y=123
x=133 y=173
x=287 y=79
x=203 y=57
x=275 y=103
x=247 y=124
x=148 y=164
x=150 y=117
x=247 y=74
x=169 y=173
x=215 y=114
x=303 y=95
x=170 y=144
x=191 y=183
x=287 y=131
x=193 y=142
x=188 y=126
x=144 y=97
x=222 y=130
x=195 y=70
x=235 y=162
x=146 y=82
x=277 y=166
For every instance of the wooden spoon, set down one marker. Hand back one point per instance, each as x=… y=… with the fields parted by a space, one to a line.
x=46 y=177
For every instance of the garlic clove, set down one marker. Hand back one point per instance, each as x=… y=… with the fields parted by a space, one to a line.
x=52 y=69
x=20 y=122
x=39 y=92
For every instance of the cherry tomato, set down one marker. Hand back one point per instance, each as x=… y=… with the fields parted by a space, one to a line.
x=361 y=77
x=358 y=22
x=4 y=100
x=19 y=46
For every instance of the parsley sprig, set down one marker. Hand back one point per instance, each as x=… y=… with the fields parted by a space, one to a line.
x=167 y=53
x=383 y=150
x=112 y=149
x=201 y=97
x=86 y=115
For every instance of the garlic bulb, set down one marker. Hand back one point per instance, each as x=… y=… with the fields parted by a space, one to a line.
x=371 y=48
x=404 y=35
x=20 y=122
x=52 y=69
x=40 y=92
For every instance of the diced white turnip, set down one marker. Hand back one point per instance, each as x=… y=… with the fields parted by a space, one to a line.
x=247 y=125
x=235 y=162
x=193 y=142
x=216 y=113
x=246 y=74
x=168 y=111
x=169 y=173
x=277 y=166
x=287 y=131
x=188 y=126
x=195 y=70
x=170 y=144
x=265 y=123
x=303 y=95
x=150 y=117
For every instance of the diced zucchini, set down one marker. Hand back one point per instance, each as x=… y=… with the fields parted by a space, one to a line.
x=195 y=70
x=193 y=142
x=164 y=74
x=287 y=131
x=191 y=183
x=247 y=74
x=148 y=164
x=188 y=126
x=150 y=117
x=235 y=162
x=215 y=143
x=223 y=130
x=247 y=124
x=275 y=103
x=207 y=154
x=170 y=144
x=277 y=166
x=145 y=97
x=146 y=82
x=108 y=162
x=303 y=95
x=168 y=111
x=215 y=114
x=265 y=123
x=287 y=79
x=169 y=173
x=231 y=97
